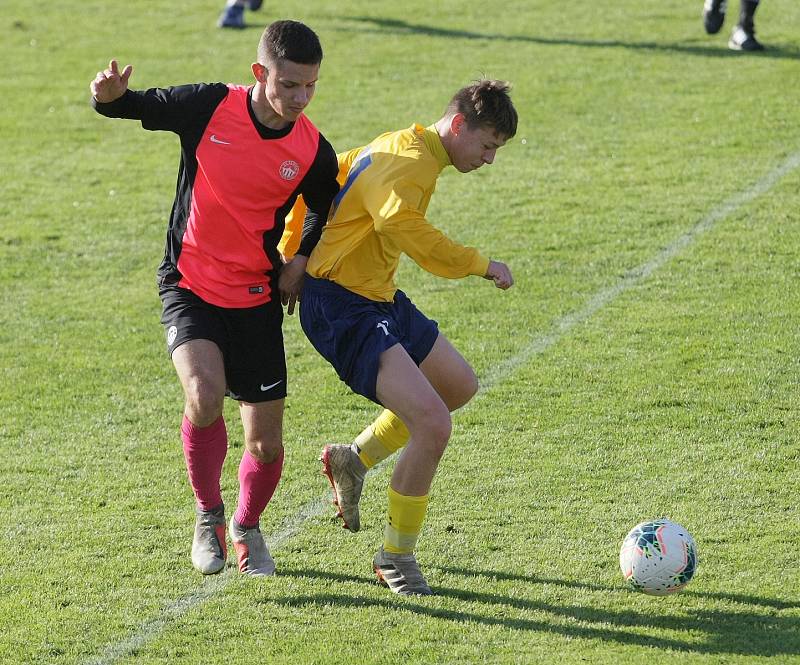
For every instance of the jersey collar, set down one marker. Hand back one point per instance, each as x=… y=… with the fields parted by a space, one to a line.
x=263 y=131
x=434 y=143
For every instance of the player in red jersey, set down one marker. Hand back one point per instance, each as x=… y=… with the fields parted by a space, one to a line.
x=246 y=155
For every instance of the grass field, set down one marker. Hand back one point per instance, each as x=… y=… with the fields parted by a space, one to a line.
x=645 y=364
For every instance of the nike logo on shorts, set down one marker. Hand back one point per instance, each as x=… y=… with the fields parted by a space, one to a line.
x=271 y=385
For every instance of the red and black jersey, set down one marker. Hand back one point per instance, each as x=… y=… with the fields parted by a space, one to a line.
x=237 y=182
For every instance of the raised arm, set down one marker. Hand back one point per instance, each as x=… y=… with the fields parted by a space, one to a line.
x=110 y=84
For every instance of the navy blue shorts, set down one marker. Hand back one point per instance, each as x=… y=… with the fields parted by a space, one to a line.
x=250 y=338
x=351 y=331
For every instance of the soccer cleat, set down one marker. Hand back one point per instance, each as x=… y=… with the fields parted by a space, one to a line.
x=346 y=472
x=255 y=5
x=252 y=553
x=209 y=549
x=714 y=15
x=400 y=572
x=741 y=40
x=232 y=17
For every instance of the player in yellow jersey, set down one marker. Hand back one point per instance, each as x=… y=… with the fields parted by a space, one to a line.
x=380 y=344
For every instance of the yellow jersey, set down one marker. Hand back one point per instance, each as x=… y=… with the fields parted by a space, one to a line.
x=379 y=214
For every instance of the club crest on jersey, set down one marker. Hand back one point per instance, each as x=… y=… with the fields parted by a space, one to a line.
x=289 y=169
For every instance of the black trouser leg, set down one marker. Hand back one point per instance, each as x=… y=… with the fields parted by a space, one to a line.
x=746 y=12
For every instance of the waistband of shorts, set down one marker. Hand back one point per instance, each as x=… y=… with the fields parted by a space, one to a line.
x=328 y=286
x=321 y=285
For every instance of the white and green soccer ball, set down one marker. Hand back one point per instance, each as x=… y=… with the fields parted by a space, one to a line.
x=658 y=557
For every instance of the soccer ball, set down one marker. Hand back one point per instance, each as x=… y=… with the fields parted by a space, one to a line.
x=658 y=557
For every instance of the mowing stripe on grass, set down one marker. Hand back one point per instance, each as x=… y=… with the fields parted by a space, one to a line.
x=633 y=277
x=213 y=585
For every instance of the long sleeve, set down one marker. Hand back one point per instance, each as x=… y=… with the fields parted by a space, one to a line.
x=398 y=219
x=171 y=109
x=379 y=215
x=318 y=190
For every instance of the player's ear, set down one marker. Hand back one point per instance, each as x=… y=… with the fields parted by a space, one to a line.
x=260 y=72
x=457 y=123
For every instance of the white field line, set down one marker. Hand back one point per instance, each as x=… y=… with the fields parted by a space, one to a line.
x=633 y=277
x=213 y=585
x=210 y=586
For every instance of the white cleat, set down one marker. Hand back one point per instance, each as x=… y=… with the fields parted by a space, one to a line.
x=252 y=553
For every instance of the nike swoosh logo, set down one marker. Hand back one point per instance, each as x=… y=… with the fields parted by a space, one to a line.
x=214 y=139
x=271 y=385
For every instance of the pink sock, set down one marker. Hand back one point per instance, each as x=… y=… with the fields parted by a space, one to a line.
x=204 y=449
x=257 y=483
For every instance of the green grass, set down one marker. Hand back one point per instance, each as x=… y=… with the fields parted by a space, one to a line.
x=675 y=395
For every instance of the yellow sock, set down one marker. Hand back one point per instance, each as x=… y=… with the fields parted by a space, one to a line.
x=380 y=439
x=403 y=522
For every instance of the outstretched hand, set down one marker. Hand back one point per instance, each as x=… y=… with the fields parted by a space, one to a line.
x=500 y=274
x=110 y=84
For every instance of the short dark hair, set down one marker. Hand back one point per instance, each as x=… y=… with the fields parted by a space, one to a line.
x=486 y=103
x=289 y=40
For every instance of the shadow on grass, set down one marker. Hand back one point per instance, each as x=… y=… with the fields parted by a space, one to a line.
x=730 y=597
x=713 y=631
x=382 y=25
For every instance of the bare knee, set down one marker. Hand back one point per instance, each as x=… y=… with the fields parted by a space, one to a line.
x=469 y=387
x=203 y=402
x=435 y=427
x=201 y=370
x=265 y=451
x=462 y=389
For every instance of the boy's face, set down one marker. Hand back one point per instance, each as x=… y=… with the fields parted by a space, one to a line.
x=472 y=148
x=289 y=87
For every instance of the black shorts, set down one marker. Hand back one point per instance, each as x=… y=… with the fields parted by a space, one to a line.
x=250 y=338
